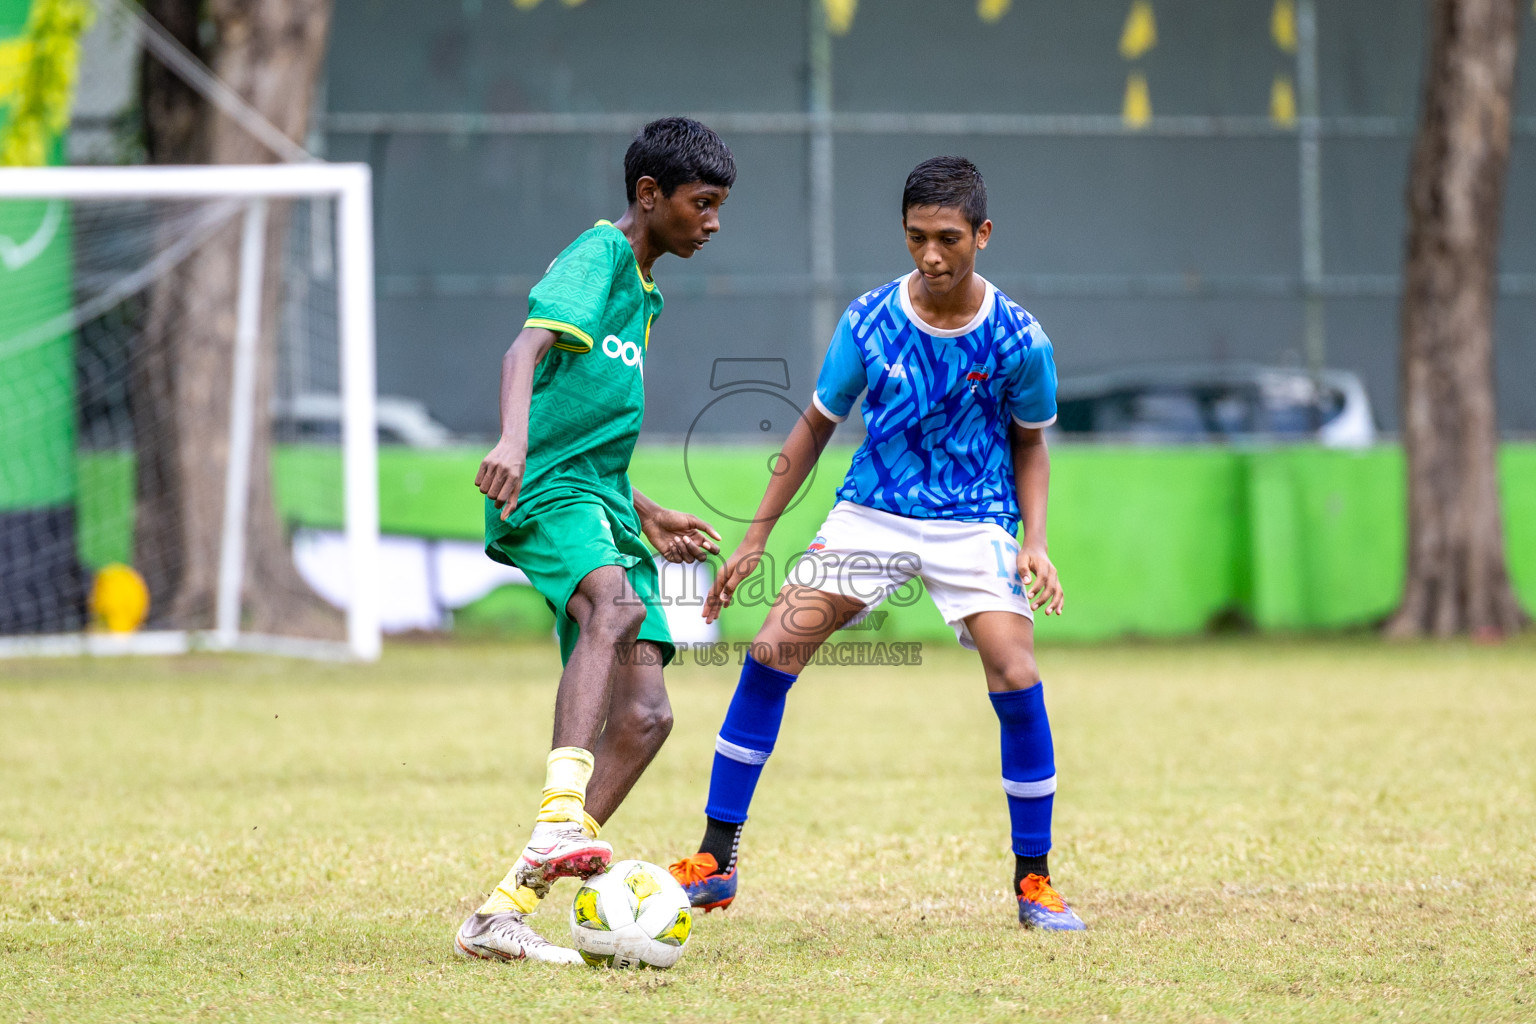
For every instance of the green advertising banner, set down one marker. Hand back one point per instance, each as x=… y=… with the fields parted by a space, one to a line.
x=43 y=588
x=37 y=360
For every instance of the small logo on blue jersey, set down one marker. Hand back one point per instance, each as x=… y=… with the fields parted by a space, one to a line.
x=978 y=375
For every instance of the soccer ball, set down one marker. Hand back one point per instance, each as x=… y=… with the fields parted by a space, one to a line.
x=633 y=915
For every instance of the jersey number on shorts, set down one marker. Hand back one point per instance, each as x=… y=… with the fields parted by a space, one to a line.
x=1006 y=566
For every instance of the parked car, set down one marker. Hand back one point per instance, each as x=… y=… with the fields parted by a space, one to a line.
x=1218 y=403
x=316 y=418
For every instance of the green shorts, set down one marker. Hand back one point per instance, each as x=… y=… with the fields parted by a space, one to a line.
x=557 y=549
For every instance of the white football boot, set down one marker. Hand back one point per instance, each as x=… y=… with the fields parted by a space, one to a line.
x=508 y=937
x=560 y=849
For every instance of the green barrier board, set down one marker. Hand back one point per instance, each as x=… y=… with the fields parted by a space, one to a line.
x=1149 y=541
x=1517 y=488
x=1329 y=535
x=37 y=367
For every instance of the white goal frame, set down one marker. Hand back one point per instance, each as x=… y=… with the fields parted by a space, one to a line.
x=350 y=185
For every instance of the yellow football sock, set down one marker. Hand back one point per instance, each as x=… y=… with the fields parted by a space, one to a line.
x=565 y=793
x=509 y=896
x=565 y=785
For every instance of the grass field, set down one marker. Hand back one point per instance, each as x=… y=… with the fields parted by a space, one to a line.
x=1254 y=830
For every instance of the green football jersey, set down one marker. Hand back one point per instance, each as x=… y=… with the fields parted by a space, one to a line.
x=588 y=391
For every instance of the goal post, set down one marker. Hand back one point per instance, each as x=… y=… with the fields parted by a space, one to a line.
x=125 y=231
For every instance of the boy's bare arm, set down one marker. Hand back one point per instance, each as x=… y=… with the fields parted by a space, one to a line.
x=806 y=441
x=1032 y=478
x=501 y=472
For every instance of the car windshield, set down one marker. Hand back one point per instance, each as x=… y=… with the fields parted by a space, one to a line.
x=1151 y=412
x=1279 y=406
x=1167 y=412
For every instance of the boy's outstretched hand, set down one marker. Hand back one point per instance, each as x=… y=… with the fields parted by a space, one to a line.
x=736 y=569
x=1044 y=588
x=680 y=536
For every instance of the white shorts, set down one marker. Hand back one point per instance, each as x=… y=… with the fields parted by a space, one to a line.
x=867 y=554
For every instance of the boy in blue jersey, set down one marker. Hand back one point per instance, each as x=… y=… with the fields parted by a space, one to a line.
x=960 y=386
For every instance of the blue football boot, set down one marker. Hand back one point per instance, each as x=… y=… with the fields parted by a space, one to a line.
x=1041 y=906
x=701 y=878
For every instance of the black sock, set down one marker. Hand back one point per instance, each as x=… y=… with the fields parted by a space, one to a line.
x=1023 y=865
x=721 y=838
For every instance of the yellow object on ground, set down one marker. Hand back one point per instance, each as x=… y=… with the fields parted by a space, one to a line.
x=120 y=598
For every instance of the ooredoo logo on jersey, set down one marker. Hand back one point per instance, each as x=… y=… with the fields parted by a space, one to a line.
x=615 y=347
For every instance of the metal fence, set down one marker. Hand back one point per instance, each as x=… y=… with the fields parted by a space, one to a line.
x=1250 y=270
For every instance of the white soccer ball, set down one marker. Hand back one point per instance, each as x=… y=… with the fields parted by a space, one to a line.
x=633 y=915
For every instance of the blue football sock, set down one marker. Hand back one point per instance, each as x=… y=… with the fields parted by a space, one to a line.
x=746 y=739
x=1029 y=767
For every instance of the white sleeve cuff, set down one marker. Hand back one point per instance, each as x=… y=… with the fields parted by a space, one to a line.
x=1035 y=426
x=821 y=407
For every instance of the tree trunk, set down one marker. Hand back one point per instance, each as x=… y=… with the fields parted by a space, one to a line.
x=1457 y=578
x=270 y=54
x=172 y=113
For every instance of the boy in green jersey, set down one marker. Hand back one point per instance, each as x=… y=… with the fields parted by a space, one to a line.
x=559 y=506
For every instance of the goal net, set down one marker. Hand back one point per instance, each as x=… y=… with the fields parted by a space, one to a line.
x=186 y=392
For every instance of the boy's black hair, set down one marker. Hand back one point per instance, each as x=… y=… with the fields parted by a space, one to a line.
x=675 y=151
x=951 y=181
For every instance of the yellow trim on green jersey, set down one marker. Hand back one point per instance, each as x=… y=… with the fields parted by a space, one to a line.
x=649 y=286
x=562 y=329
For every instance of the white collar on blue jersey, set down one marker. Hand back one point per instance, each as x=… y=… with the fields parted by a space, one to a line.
x=959 y=332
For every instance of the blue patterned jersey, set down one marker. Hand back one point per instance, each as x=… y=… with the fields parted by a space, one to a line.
x=939 y=403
